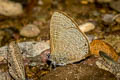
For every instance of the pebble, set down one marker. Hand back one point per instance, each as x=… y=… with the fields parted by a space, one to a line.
x=87 y=27
x=9 y=8
x=29 y=49
x=30 y=30
x=117 y=18
x=108 y=18
x=33 y=48
x=115 y=4
x=84 y=2
x=96 y=13
x=91 y=38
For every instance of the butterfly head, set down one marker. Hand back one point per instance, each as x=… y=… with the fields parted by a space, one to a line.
x=45 y=55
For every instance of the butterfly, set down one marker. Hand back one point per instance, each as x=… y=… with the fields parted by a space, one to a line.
x=68 y=43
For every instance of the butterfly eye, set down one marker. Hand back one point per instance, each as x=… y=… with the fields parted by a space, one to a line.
x=48 y=55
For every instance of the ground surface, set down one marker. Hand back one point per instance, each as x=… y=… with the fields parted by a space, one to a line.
x=82 y=12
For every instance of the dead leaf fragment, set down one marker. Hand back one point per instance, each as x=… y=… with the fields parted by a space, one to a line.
x=99 y=45
x=15 y=61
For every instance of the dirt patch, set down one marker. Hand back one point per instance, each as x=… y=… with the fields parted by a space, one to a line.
x=78 y=72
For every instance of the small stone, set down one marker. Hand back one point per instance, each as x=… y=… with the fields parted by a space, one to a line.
x=30 y=30
x=87 y=27
x=91 y=38
x=29 y=49
x=84 y=2
x=117 y=18
x=96 y=13
x=32 y=49
x=108 y=18
x=103 y=11
x=9 y=8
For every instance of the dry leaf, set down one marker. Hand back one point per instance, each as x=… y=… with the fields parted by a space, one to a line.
x=106 y=62
x=99 y=45
x=15 y=62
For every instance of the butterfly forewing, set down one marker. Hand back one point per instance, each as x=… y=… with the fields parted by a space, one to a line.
x=68 y=43
x=15 y=62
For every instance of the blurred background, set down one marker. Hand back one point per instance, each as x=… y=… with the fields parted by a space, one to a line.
x=15 y=15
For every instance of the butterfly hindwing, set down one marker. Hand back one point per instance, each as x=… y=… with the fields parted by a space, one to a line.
x=68 y=43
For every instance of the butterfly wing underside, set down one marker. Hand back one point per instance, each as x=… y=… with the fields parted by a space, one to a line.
x=68 y=43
